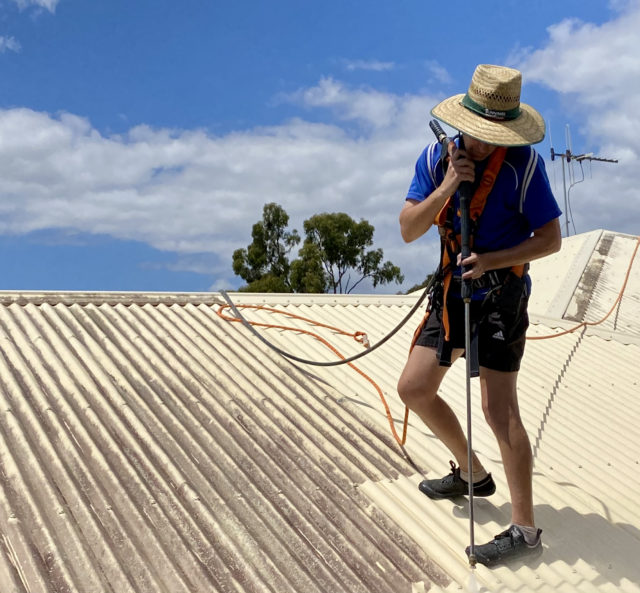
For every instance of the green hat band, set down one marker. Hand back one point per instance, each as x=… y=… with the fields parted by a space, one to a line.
x=509 y=114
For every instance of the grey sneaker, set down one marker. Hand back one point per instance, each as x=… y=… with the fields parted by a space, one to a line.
x=452 y=486
x=507 y=546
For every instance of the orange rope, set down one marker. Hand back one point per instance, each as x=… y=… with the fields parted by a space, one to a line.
x=586 y=323
x=360 y=337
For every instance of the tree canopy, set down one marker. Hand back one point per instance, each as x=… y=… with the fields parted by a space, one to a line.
x=264 y=264
x=333 y=258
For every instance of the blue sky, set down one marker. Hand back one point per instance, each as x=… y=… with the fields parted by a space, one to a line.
x=140 y=140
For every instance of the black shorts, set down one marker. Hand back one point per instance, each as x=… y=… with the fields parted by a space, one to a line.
x=501 y=333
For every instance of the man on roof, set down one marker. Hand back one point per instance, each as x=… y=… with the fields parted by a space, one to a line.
x=516 y=221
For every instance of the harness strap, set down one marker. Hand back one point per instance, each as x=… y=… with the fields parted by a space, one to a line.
x=486 y=183
x=444 y=220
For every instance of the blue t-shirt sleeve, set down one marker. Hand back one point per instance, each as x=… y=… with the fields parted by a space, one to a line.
x=538 y=204
x=424 y=181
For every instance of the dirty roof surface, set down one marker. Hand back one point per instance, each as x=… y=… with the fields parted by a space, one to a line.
x=147 y=444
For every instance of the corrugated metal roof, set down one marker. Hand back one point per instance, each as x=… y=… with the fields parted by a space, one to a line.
x=146 y=444
x=582 y=282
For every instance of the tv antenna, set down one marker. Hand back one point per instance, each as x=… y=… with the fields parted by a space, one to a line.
x=568 y=156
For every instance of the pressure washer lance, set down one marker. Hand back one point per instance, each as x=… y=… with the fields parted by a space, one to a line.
x=464 y=193
x=467 y=290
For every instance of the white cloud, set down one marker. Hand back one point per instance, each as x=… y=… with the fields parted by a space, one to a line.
x=621 y=5
x=372 y=65
x=366 y=106
x=596 y=68
x=49 y=5
x=9 y=44
x=597 y=64
x=438 y=72
x=191 y=193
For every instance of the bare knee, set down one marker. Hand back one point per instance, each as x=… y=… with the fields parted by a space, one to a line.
x=409 y=391
x=495 y=416
x=415 y=394
x=418 y=385
x=500 y=401
x=501 y=416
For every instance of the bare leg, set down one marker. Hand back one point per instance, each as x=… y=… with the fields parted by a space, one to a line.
x=500 y=406
x=418 y=389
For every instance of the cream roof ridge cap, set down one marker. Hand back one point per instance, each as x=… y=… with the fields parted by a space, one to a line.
x=257 y=298
x=23 y=297
x=564 y=295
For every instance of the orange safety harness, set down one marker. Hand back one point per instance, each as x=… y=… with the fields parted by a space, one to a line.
x=450 y=242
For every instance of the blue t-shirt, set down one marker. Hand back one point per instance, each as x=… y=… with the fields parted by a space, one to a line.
x=520 y=201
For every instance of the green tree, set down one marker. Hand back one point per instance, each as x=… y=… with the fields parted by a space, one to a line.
x=334 y=256
x=423 y=284
x=337 y=245
x=264 y=264
x=307 y=272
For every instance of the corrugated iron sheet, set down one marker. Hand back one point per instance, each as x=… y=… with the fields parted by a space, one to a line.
x=156 y=448
x=146 y=444
x=601 y=282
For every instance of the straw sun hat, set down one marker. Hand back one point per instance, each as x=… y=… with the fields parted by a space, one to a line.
x=491 y=110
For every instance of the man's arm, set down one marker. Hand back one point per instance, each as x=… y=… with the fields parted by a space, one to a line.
x=416 y=218
x=544 y=241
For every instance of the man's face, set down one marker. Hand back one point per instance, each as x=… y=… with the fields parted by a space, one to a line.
x=476 y=149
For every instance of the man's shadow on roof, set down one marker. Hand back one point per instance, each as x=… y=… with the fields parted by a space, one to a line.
x=598 y=550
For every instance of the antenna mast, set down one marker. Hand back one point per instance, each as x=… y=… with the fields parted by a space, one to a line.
x=568 y=156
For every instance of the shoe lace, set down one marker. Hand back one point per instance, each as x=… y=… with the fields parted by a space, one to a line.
x=455 y=473
x=506 y=533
